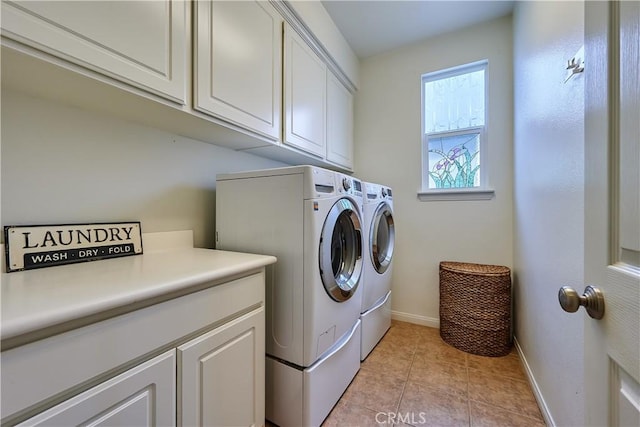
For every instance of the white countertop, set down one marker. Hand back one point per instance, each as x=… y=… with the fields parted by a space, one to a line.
x=37 y=299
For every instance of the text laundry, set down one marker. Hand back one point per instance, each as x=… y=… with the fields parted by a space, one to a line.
x=78 y=236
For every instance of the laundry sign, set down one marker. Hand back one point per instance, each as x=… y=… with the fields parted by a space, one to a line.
x=38 y=246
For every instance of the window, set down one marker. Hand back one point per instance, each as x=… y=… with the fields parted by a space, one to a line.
x=454 y=131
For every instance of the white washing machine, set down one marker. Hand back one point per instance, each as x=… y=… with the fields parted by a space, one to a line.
x=310 y=219
x=379 y=238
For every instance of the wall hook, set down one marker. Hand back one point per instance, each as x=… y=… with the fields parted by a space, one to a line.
x=575 y=65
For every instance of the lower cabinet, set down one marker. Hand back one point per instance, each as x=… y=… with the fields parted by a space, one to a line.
x=196 y=360
x=142 y=396
x=221 y=375
x=220 y=382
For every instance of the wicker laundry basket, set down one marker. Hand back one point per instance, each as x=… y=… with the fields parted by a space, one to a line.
x=475 y=307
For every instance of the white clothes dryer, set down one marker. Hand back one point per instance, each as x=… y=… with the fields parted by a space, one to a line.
x=379 y=237
x=311 y=220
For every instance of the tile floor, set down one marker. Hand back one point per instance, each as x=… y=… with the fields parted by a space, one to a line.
x=412 y=378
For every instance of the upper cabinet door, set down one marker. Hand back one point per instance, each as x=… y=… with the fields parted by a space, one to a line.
x=142 y=43
x=305 y=92
x=238 y=63
x=339 y=123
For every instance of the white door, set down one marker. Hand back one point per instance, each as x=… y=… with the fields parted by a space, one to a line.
x=612 y=220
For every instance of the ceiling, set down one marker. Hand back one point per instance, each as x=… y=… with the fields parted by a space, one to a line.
x=374 y=26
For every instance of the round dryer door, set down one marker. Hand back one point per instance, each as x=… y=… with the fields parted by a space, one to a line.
x=382 y=238
x=341 y=251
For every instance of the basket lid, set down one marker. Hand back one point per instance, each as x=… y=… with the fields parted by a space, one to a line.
x=471 y=268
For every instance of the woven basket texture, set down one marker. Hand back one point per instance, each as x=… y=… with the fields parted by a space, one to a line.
x=475 y=307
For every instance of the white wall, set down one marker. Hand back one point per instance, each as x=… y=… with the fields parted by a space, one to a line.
x=65 y=165
x=387 y=134
x=548 y=196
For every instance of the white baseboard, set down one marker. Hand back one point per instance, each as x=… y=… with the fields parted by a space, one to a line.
x=544 y=409
x=431 y=322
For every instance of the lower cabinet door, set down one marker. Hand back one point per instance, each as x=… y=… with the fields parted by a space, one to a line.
x=221 y=375
x=142 y=396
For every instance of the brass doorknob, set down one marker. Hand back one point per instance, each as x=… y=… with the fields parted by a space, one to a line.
x=592 y=300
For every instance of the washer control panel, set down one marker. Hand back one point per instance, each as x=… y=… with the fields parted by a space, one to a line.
x=374 y=193
x=348 y=185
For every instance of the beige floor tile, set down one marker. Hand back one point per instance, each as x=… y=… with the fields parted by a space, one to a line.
x=401 y=324
x=436 y=349
x=506 y=393
x=425 y=333
x=402 y=336
x=349 y=415
x=373 y=391
x=446 y=377
x=489 y=416
x=414 y=378
x=402 y=347
x=427 y=406
x=507 y=366
x=389 y=361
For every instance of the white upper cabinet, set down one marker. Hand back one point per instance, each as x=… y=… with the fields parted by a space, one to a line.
x=339 y=123
x=238 y=63
x=247 y=75
x=319 y=23
x=142 y=43
x=305 y=93
x=318 y=107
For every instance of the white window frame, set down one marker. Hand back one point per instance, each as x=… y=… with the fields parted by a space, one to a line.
x=482 y=192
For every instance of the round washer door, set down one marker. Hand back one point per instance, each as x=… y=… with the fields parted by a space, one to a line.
x=382 y=238
x=341 y=251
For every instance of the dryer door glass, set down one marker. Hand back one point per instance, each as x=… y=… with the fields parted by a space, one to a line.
x=382 y=238
x=341 y=251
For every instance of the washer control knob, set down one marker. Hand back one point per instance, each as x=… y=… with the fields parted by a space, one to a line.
x=346 y=184
x=384 y=192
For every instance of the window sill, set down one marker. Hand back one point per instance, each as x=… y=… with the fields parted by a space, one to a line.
x=456 y=194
